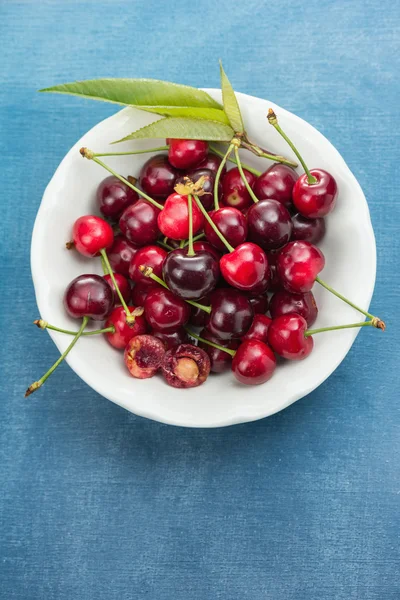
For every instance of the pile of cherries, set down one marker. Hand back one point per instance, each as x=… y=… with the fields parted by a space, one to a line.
x=202 y=253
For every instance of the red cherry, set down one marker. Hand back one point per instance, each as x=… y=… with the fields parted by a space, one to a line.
x=165 y=312
x=220 y=361
x=258 y=329
x=253 y=363
x=158 y=177
x=149 y=256
x=123 y=285
x=309 y=230
x=186 y=154
x=270 y=225
x=318 y=199
x=286 y=337
x=283 y=303
x=231 y=314
x=190 y=277
x=234 y=191
x=274 y=283
x=173 y=339
x=298 y=265
x=88 y=296
x=139 y=223
x=246 y=267
x=92 y=234
x=200 y=245
x=173 y=220
x=212 y=162
x=231 y=223
x=113 y=196
x=140 y=291
x=123 y=331
x=277 y=183
x=120 y=255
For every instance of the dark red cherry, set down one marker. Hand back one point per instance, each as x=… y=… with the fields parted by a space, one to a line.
x=186 y=154
x=139 y=223
x=199 y=317
x=201 y=245
x=158 y=177
x=173 y=339
x=140 y=291
x=88 y=296
x=92 y=234
x=284 y=302
x=190 y=277
x=231 y=223
x=309 y=230
x=234 y=191
x=298 y=264
x=173 y=220
x=274 y=282
x=220 y=361
x=259 y=303
x=120 y=255
x=165 y=312
x=277 y=182
x=246 y=267
x=318 y=199
x=207 y=199
x=113 y=196
x=254 y=362
x=212 y=162
x=286 y=337
x=185 y=366
x=258 y=329
x=269 y=223
x=149 y=256
x=123 y=285
x=123 y=331
x=231 y=314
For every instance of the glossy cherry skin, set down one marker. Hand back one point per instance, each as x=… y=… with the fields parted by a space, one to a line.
x=121 y=254
x=231 y=223
x=274 y=282
x=123 y=331
x=113 y=196
x=190 y=277
x=246 y=267
x=138 y=223
x=123 y=285
x=315 y=200
x=207 y=199
x=92 y=234
x=258 y=329
x=234 y=191
x=277 y=182
x=309 y=230
x=88 y=296
x=149 y=256
x=269 y=223
x=173 y=220
x=259 y=303
x=286 y=337
x=202 y=245
x=298 y=264
x=165 y=312
x=220 y=361
x=186 y=154
x=284 y=302
x=140 y=291
x=212 y=162
x=158 y=177
x=173 y=339
x=254 y=362
x=231 y=314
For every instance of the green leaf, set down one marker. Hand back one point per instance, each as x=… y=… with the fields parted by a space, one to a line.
x=210 y=114
x=187 y=129
x=138 y=92
x=231 y=106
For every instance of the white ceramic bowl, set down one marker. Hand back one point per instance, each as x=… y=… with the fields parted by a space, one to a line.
x=349 y=248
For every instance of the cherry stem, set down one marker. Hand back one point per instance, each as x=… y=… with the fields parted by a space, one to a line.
x=218 y=175
x=129 y=317
x=381 y=324
x=97 y=154
x=45 y=325
x=103 y=266
x=213 y=225
x=371 y=323
x=233 y=160
x=273 y=120
x=86 y=153
x=148 y=272
x=243 y=176
x=164 y=245
x=217 y=346
x=255 y=149
x=190 y=251
x=37 y=384
x=195 y=239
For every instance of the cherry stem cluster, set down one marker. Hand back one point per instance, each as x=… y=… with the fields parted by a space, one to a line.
x=190 y=251
x=243 y=176
x=233 y=160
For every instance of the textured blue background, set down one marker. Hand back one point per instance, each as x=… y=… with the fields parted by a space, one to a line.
x=98 y=504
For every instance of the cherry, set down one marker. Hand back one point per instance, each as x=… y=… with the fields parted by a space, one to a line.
x=140 y=291
x=88 y=296
x=92 y=234
x=201 y=245
x=165 y=312
x=198 y=317
x=212 y=162
x=158 y=177
x=246 y=267
x=270 y=225
x=173 y=220
x=124 y=331
x=123 y=285
x=186 y=366
x=220 y=361
x=258 y=329
x=287 y=337
x=208 y=186
x=254 y=362
x=173 y=339
x=151 y=256
x=231 y=223
x=315 y=197
x=186 y=154
x=138 y=223
x=231 y=314
x=283 y=303
x=144 y=355
x=113 y=196
x=309 y=230
x=274 y=282
x=259 y=303
x=121 y=254
x=298 y=265
x=277 y=183
x=234 y=192
x=190 y=276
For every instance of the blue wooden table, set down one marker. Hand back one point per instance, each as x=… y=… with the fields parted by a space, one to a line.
x=96 y=503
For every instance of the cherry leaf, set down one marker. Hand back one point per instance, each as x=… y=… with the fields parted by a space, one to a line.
x=183 y=128
x=231 y=106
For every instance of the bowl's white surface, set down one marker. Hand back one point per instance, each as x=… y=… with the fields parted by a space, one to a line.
x=349 y=248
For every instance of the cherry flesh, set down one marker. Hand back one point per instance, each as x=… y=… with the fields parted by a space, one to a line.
x=138 y=223
x=158 y=177
x=270 y=225
x=309 y=230
x=165 y=312
x=234 y=191
x=231 y=314
x=173 y=220
x=113 y=196
x=88 y=296
x=149 y=256
x=121 y=254
x=286 y=337
x=123 y=285
x=92 y=234
x=207 y=199
x=186 y=154
x=186 y=366
x=123 y=331
x=284 y=302
x=212 y=162
x=220 y=361
x=190 y=277
x=258 y=329
x=298 y=264
x=144 y=355
x=254 y=362
x=173 y=339
x=277 y=182
x=246 y=267
x=231 y=223
x=318 y=199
